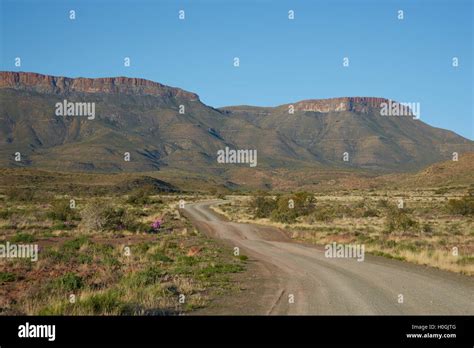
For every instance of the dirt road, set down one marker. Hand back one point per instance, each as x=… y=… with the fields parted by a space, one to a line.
x=292 y=278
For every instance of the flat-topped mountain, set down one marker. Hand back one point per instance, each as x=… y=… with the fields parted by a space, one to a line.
x=165 y=127
x=114 y=85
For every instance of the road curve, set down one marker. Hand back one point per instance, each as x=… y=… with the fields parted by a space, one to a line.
x=320 y=285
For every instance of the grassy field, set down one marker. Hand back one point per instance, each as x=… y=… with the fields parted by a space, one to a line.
x=434 y=227
x=102 y=252
x=118 y=244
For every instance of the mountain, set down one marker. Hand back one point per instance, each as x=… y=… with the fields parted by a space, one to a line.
x=447 y=173
x=327 y=128
x=143 y=118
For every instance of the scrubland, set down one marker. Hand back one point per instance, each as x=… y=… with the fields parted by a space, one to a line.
x=108 y=253
x=432 y=227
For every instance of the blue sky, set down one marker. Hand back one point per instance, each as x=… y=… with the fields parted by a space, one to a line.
x=281 y=60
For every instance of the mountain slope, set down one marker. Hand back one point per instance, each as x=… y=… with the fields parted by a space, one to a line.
x=143 y=118
x=328 y=128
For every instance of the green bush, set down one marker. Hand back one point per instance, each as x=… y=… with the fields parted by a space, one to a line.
x=159 y=256
x=68 y=282
x=463 y=206
x=20 y=194
x=370 y=213
x=61 y=211
x=23 y=238
x=108 y=302
x=148 y=276
x=323 y=214
x=74 y=244
x=139 y=196
x=7 y=277
x=398 y=219
x=427 y=228
x=383 y=203
x=5 y=214
x=279 y=209
x=119 y=219
x=263 y=206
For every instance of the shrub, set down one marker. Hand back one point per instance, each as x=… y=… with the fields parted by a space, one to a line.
x=93 y=217
x=20 y=194
x=323 y=214
x=68 y=282
x=441 y=191
x=370 y=213
x=463 y=206
x=74 y=244
x=279 y=209
x=263 y=206
x=212 y=269
x=284 y=215
x=427 y=228
x=304 y=203
x=5 y=214
x=398 y=219
x=148 y=276
x=100 y=217
x=61 y=211
x=108 y=302
x=7 y=277
x=159 y=256
x=22 y=238
x=118 y=219
x=139 y=196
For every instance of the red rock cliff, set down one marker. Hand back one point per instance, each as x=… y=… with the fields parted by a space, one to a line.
x=59 y=84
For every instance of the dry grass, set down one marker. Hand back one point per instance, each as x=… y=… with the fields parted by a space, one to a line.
x=348 y=218
x=89 y=260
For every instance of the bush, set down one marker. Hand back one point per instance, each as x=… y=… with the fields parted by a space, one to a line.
x=139 y=196
x=93 y=217
x=399 y=220
x=20 y=194
x=279 y=209
x=370 y=213
x=7 y=277
x=148 y=276
x=324 y=214
x=427 y=228
x=263 y=206
x=463 y=206
x=74 y=244
x=119 y=219
x=68 y=282
x=61 y=211
x=5 y=214
x=100 y=217
x=108 y=302
x=22 y=238
x=284 y=215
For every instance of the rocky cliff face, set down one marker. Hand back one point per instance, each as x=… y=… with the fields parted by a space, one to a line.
x=355 y=104
x=116 y=85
